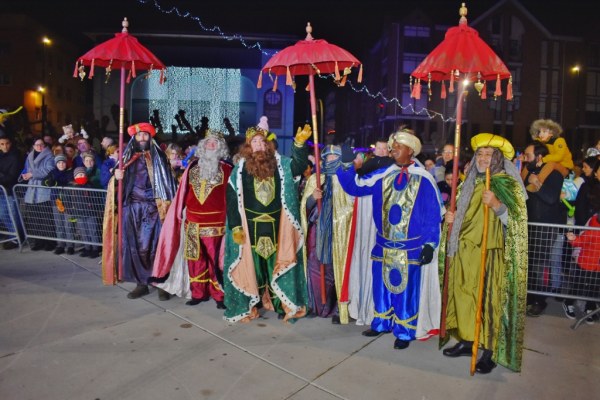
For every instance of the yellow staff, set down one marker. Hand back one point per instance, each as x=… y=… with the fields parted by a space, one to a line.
x=486 y=211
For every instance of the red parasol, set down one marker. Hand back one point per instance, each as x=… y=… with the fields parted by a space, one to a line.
x=464 y=56
x=123 y=52
x=309 y=57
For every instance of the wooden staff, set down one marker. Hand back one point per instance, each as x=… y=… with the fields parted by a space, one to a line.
x=486 y=211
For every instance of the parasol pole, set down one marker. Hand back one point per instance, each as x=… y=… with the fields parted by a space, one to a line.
x=313 y=112
x=459 y=101
x=486 y=212
x=120 y=181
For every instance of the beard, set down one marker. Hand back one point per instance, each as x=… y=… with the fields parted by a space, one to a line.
x=260 y=164
x=208 y=160
x=141 y=146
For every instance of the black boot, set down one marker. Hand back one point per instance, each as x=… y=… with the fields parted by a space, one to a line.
x=400 y=344
x=139 y=291
x=163 y=295
x=485 y=365
x=335 y=320
x=221 y=305
x=462 y=348
x=193 y=302
x=371 y=333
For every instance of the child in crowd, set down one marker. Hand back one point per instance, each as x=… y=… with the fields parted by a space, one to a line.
x=81 y=206
x=559 y=158
x=108 y=166
x=92 y=172
x=585 y=279
x=56 y=179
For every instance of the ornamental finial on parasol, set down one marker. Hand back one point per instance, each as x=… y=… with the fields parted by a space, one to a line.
x=125 y=25
x=308 y=31
x=463 y=14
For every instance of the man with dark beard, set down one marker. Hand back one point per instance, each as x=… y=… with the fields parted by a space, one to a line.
x=263 y=238
x=194 y=227
x=148 y=187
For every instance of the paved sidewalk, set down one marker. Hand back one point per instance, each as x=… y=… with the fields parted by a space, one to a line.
x=65 y=336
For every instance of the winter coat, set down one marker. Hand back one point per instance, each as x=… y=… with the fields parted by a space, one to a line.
x=39 y=167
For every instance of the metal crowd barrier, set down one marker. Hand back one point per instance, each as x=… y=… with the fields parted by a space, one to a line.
x=67 y=215
x=561 y=270
x=9 y=219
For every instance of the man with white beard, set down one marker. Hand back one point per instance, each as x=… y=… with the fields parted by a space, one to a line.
x=187 y=260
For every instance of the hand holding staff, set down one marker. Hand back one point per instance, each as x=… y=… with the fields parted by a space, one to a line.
x=486 y=211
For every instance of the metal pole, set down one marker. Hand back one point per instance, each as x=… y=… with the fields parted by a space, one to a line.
x=120 y=182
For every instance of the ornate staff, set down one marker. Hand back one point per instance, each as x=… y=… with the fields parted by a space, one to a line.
x=486 y=211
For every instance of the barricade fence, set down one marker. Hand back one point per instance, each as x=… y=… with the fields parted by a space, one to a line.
x=564 y=262
x=9 y=218
x=65 y=215
x=557 y=268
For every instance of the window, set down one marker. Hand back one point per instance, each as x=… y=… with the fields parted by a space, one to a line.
x=417 y=31
x=593 y=58
x=555 y=54
x=544 y=54
x=543 y=82
x=410 y=62
x=542 y=108
x=554 y=109
x=555 y=82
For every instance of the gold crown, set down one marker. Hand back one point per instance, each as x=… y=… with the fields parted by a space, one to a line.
x=218 y=134
x=253 y=131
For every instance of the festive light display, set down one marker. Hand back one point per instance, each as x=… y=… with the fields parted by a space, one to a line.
x=257 y=46
x=201 y=92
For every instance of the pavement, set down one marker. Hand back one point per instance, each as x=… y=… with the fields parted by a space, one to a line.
x=63 y=335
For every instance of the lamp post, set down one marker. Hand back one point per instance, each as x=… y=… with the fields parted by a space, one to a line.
x=576 y=70
x=42 y=89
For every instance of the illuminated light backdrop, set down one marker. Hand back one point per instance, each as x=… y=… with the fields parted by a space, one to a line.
x=210 y=92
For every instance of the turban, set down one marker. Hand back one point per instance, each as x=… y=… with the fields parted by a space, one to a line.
x=407 y=139
x=491 y=140
x=141 y=127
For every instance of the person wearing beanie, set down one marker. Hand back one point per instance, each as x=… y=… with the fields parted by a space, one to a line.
x=407 y=211
x=80 y=207
x=57 y=179
x=149 y=186
x=92 y=170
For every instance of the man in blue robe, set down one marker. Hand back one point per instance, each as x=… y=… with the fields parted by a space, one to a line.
x=407 y=214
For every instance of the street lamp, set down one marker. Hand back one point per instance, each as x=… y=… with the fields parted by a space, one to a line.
x=42 y=89
x=576 y=69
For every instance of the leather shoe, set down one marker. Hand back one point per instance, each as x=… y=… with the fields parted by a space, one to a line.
x=38 y=247
x=461 y=348
x=372 y=333
x=221 y=305
x=400 y=344
x=193 y=302
x=59 y=250
x=10 y=245
x=335 y=320
x=485 y=365
x=139 y=291
x=163 y=295
x=70 y=251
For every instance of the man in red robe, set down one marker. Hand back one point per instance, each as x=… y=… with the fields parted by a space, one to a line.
x=187 y=261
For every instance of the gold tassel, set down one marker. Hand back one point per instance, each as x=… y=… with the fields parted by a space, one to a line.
x=128 y=77
x=259 y=83
x=288 y=76
x=337 y=72
x=451 y=88
x=275 y=83
x=360 y=74
x=418 y=90
x=162 y=76
x=133 y=68
x=509 y=89
x=484 y=91
x=498 y=91
x=443 y=95
x=92 y=69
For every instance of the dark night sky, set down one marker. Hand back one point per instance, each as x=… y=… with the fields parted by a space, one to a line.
x=353 y=25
